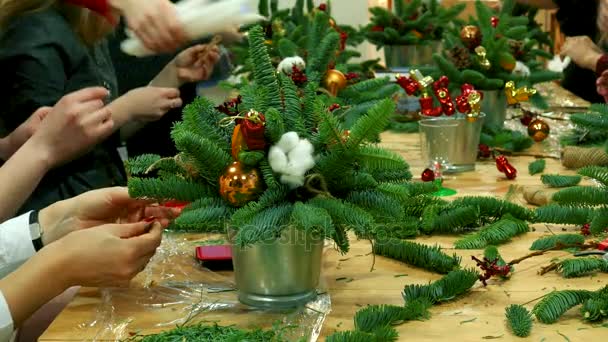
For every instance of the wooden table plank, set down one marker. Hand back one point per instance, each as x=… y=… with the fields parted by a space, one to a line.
x=475 y=317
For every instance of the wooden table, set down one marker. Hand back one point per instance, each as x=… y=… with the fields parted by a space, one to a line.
x=475 y=317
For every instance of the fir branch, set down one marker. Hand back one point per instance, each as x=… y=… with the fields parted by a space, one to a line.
x=377 y=203
x=452 y=220
x=292 y=112
x=596 y=307
x=421 y=188
x=415 y=254
x=599 y=224
x=519 y=320
x=582 y=195
x=578 y=267
x=493 y=234
x=331 y=132
x=263 y=71
x=208 y=158
x=557 y=240
x=491 y=253
x=491 y=207
x=450 y=286
x=210 y=217
x=417 y=205
x=312 y=219
x=169 y=188
x=372 y=317
x=537 y=166
x=404 y=229
x=322 y=54
x=346 y=214
x=202 y=118
x=553 y=213
x=137 y=166
x=597 y=173
x=351 y=336
x=266 y=225
x=368 y=127
x=374 y=158
x=212 y=333
x=556 y=303
x=560 y=181
x=399 y=192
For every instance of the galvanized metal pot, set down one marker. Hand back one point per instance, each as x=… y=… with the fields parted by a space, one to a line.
x=494 y=104
x=451 y=141
x=281 y=273
x=404 y=56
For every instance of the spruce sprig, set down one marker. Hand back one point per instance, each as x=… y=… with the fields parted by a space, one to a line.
x=450 y=286
x=537 y=166
x=552 y=241
x=519 y=320
x=578 y=267
x=427 y=257
x=560 y=181
x=556 y=303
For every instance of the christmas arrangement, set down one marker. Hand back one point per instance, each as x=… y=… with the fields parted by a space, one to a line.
x=495 y=52
x=411 y=23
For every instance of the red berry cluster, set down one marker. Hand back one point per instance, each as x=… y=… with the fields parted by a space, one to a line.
x=334 y=107
x=490 y=269
x=586 y=229
x=323 y=7
x=377 y=28
x=484 y=152
x=343 y=39
x=298 y=76
x=230 y=107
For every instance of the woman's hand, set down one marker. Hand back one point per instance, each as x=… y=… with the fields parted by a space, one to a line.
x=99 y=207
x=24 y=132
x=155 y=22
x=150 y=103
x=583 y=51
x=196 y=63
x=76 y=123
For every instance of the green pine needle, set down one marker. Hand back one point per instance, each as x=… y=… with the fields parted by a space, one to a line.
x=597 y=173
x=494 y=234
x=578 y=267
x=537 y=166
x=138 y=165
x=596 y=307
x=490 y=207
x=169 y=188
x=582 y=195
x=549 y=309
x=373 y=317
x=212 y=333
x=450 y=286
x=415 y=254
x=555 y=240
x=554 y=213
x=519 y=320
x=559 y=181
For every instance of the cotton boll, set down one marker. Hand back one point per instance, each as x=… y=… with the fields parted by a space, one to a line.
x=286 y=65
x=292 y=181
x=557 y=64
x=277 y=159
x=521 y=69
x=288 y=141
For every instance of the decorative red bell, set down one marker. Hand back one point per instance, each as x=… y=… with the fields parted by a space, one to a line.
x=503 y=165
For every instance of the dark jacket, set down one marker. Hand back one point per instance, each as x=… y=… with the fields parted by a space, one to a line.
x=41 y=60
x=579 y=18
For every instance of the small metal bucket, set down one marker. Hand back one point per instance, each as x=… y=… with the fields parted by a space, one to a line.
x=399 y=57
x=494 y=104
x=451 y=141
x=281 y=273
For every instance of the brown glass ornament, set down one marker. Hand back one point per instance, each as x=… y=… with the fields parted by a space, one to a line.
x=539 y=130
x=240 y=184
x=471 y=36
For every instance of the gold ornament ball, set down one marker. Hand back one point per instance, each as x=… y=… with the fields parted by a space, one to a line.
x=334 y=81
x=538 y=130
x=471 y=36
x=240 y=184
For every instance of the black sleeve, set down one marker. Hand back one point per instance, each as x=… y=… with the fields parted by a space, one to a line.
x=32 y=62
x=577 y=17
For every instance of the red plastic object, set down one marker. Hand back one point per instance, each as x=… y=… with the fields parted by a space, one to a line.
x=217 y=258
x=602 y=246
x=179 y=205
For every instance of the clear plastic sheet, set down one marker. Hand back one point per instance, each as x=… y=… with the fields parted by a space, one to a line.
x=175 y=289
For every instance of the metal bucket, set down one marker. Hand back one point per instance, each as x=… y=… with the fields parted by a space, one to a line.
x=281 y=273
x=494 y=104
x=400 y=57
x=451 y=141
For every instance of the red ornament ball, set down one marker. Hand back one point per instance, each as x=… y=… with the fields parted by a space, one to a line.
x=484 y=151
x=494 y=20
x=323 y=7
x=428 y=175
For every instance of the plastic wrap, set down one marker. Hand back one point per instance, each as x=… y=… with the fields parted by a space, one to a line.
x=175 y=289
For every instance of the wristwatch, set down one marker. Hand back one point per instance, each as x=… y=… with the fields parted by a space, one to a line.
x=35 y=231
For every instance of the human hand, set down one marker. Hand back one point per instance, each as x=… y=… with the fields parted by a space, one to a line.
x=107 y=255
x=602 y=85
x=151 y=103
x=99 y=207
x=155 y=22
x=24 y=132
x=196 y=63
x=582 y=50
x=82 y=117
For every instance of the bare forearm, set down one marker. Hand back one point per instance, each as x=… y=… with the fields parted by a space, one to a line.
x=22 y=289
x=5 y=148
x=546 y=4
x=167 y=77
x=19 y=176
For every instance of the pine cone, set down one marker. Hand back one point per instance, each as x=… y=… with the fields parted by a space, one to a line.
x=460 y=57
x=516 y=47
x=398 y=24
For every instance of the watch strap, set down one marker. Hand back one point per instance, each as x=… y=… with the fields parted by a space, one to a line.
x=35 y=230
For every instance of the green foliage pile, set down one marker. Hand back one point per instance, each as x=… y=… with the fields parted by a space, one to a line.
x=590 y=129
